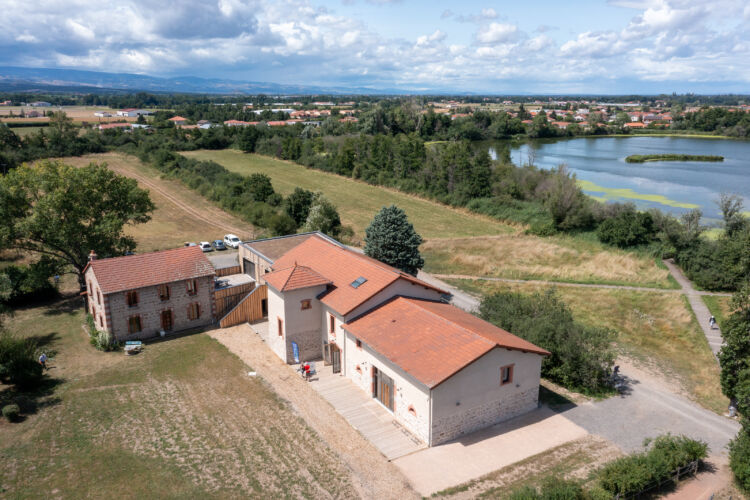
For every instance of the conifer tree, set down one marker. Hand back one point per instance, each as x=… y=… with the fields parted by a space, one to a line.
x=391 y=239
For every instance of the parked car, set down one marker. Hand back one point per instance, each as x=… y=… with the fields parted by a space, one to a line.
x=190 y=244
x=206 y=246
x=219 y=245
x=231 y=240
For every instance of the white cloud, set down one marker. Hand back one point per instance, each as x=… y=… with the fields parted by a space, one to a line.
x=497 y=32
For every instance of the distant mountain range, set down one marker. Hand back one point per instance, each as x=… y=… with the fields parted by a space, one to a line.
x=46 y=80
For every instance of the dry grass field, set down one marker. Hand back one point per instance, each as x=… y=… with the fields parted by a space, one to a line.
x=180 y=420
x=655 y=328
x=358 y=202
x=181 y=214
x=77 y=113
x=563 y=258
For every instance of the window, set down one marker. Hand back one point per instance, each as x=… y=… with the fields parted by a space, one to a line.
x=194 y=311
x=101 y=322
x=192 y=287
x=134 y=324
x=99 y=298
x=281 y=327
x=359 y=344
x=166 y=320
x=132 y=299
x=305 y=304
x=164 y=292
x=506 y=374
x=331 y=324
x=358 y=282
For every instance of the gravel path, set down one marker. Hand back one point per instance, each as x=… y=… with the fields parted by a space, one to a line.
x=580 y=285
x=373 y=476
x=713 y=335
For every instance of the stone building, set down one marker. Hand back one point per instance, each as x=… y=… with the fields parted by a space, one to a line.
x=440 y=371
x=137 y=296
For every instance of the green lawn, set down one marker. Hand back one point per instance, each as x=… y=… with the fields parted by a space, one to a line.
x=719 y=306
x=180 y=420
x=358 y=202
x=655 y=327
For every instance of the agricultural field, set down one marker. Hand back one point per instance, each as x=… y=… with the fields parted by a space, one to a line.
x=181 y=214
x=358 y=202
x=654 y=328
x=180 y=420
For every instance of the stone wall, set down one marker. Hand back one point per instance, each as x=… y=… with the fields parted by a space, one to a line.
x=150 y=307
x=484 y=415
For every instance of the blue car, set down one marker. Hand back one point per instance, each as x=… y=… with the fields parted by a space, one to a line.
x=219 y=245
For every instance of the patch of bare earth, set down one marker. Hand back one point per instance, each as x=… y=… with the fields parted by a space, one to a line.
x=573 y=460
x=372 y=474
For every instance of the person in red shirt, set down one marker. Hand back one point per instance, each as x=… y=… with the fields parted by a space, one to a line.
x=306 y=368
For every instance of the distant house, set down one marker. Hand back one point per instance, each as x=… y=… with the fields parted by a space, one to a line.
x=236 y=123
x=6 y=103
x=110 y=126
x=635 y=125
x=102 y=114
x=40 y=104
x=131 y=112
x=178 y=120
x=204 y=124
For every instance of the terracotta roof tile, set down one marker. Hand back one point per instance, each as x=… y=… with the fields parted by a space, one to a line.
x=149 y=269
x=343 y=267
x=294 y=278
x=431 y=340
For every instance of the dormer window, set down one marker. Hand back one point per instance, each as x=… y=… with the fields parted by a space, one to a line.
x=358 y=282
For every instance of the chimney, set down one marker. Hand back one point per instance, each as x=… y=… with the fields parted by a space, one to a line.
x=92 y=256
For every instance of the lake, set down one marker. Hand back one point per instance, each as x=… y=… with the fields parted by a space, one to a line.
x=599 y=164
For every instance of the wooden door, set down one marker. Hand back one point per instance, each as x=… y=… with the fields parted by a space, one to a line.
x=383 y=388
x=336 y=358
x=166 y=320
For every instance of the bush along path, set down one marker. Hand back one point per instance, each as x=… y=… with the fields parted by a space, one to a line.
x=702 y=314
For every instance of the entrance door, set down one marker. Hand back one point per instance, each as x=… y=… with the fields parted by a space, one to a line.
x=264 y=307
x=249 y=268
x=382 y=388
x=166 y=320
x=336 y=358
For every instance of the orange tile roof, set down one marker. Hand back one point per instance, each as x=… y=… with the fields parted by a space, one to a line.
x=177 y=119
x=431 y=340
x=342 y=267
x=294 y=278
x=149 y=269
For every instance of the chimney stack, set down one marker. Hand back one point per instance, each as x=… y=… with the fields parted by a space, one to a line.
x=92 y=256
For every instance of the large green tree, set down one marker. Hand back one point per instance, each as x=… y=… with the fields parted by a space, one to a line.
x=323 y=216
x=65 y=212
x=391 y=238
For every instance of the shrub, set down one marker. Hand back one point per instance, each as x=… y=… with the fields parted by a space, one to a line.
x=635 y=473
x=739 y=457
x=627 y=229
x=581 y=356
x=11 y=412
x=100 y=339
x=18 y=363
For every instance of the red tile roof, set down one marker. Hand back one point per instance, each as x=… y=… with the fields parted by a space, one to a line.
x=342 y=267
x=177 y=119
x=149 y=269
x=294 y=278
x=431 y=340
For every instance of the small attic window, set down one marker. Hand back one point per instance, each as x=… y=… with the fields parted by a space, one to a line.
x=358 y=282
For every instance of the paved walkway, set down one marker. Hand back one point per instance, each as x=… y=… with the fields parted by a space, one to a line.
x=472 y=456
x=713 y=335
x=364 y=414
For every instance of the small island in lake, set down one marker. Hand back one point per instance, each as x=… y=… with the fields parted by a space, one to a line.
x=672 y=157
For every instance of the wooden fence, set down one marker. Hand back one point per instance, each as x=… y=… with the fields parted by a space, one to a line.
x=688 y=469
x=227 y=298
x=252 y=308
x=226 y=271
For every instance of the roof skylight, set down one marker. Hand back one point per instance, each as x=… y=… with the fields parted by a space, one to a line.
x=358 y=282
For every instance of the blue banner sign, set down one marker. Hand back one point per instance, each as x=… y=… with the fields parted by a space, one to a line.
x=295 y=352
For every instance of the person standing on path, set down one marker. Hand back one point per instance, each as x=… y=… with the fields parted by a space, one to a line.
x=711 y=322
x=43 y=361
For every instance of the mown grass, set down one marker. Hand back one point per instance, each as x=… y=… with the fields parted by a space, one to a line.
x=358 y=202
x=561 y=258
x=655 y=327
x=180 y=420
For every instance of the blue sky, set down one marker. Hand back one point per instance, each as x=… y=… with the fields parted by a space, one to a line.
x=580 y=46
